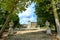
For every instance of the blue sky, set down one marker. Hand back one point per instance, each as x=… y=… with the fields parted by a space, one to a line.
x=28 y=14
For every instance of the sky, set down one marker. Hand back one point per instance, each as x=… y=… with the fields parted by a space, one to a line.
x=28 y=15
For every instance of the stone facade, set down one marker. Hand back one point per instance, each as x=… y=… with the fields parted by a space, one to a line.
x=30 y=25
x=33 y=24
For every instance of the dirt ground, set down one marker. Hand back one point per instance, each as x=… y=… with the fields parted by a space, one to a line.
x=32 y=35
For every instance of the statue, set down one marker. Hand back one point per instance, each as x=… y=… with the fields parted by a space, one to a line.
x=48 y=31
x=10 y=31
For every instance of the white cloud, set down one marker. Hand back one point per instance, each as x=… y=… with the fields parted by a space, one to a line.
x=28 y=15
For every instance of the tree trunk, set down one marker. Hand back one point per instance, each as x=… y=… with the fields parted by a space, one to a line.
x=8 y=18
x=5 y=24
x=56 y=17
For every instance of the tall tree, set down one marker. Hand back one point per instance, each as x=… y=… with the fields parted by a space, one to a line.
x=45 y=7
x=56 y=18
x=11 y=6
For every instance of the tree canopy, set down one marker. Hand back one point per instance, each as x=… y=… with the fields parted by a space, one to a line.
x=44 y=11
x=12 y=7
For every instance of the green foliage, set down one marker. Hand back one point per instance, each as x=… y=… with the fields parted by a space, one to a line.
x=44 y=11
x=14 y=17
x=3 y=15
x=19 y=5
x=11 y=7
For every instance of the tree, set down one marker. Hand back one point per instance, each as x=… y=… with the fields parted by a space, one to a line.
x=47 y=7
x=56 y=17
x=11 y=6
x=44 y=11
x=3 y=15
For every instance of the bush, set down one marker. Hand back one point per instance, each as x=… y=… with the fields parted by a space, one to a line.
x=1 y=26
